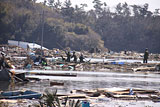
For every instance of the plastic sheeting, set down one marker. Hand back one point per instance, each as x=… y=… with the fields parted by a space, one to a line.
x=25 y=45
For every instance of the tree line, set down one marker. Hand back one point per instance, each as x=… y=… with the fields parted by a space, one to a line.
x=129 y=27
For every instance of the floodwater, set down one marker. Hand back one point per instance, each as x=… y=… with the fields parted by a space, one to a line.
x=94 y=80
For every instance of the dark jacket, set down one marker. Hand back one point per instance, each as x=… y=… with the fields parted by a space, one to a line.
x=146 y=54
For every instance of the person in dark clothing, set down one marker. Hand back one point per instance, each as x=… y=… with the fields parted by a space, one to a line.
x=68 y=56
x=74 y=56
x=146 y=54
x=38 y=59
x=125 y=51
x=81 y=58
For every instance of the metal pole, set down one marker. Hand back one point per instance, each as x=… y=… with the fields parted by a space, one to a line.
x=42 y=29
x=42 y=33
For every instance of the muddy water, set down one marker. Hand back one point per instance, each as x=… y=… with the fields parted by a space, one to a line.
x=93 y=80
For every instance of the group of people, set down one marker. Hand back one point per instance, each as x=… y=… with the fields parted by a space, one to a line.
x=69 y=56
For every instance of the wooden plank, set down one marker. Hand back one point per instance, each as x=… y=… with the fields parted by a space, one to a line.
x=74 y=96
x=125 y=97
x=8 y=101
x=144 y=69
x=52 y=83
x=56 y=74
x=143 y=97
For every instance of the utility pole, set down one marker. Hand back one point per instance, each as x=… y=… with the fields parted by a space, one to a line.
x=42 y=29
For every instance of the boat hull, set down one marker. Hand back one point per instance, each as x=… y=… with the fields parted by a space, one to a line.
x=21 y=95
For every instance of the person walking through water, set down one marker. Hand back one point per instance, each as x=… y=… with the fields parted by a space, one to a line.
x=68 y=56
x=146 y=54
x=74 y=56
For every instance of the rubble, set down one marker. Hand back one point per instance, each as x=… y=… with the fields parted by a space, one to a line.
x=19 y=56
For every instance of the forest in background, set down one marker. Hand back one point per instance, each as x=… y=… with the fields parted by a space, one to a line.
x=129 y=27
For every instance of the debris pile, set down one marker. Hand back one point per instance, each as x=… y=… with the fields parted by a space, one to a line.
x=119 y=93
x=25 y=59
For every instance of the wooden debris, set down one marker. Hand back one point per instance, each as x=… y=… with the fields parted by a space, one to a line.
x=8 y=101
x=125 y=97
x=56 y=74
x=144 y=69
x=76 y=96
x=122 y=93
x=52 y=83
x=143 y=97
x=33 y=78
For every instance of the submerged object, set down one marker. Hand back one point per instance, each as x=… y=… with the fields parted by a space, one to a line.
x=28 y=94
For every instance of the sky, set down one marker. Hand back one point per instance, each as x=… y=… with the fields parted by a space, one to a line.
x=153 y=4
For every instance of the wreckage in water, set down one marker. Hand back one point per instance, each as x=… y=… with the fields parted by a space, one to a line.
x=7 y=75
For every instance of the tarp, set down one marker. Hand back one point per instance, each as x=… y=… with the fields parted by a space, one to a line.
x=35 y=46
x=25 y=45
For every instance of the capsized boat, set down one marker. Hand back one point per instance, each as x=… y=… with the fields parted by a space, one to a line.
x=27 y=94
